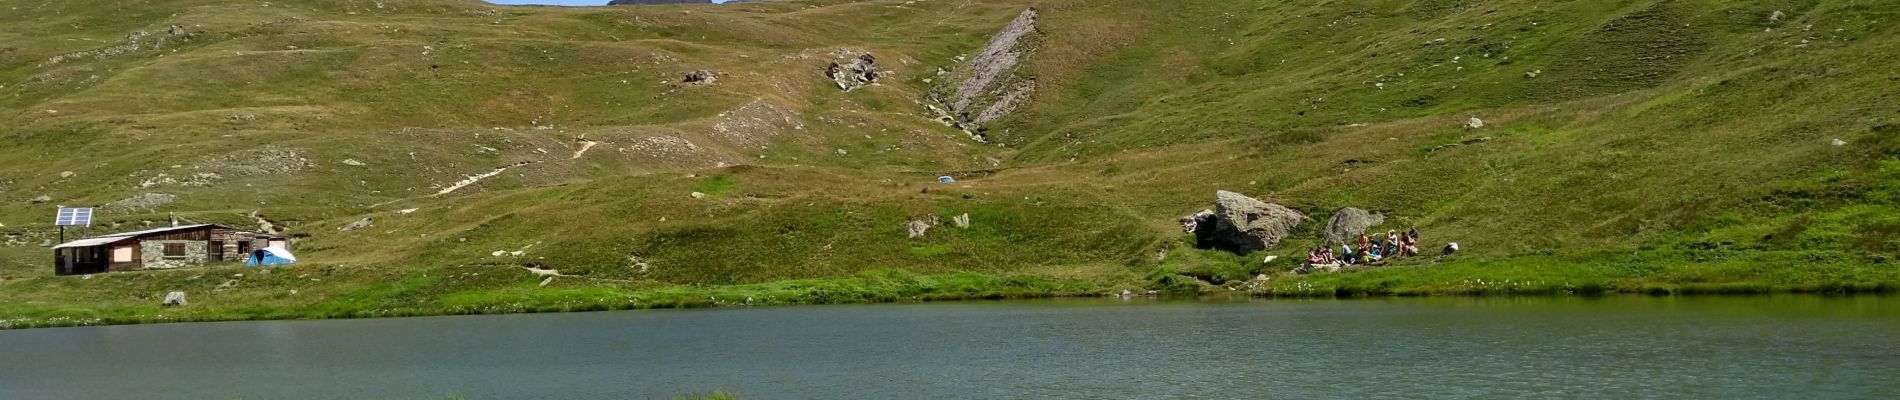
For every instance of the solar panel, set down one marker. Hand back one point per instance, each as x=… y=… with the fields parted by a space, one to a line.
x=73 y=217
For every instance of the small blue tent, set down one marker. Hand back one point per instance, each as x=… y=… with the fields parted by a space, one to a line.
x=270 y=256
x=946 y=179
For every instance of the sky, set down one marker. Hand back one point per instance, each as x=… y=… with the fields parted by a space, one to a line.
x=563 y=2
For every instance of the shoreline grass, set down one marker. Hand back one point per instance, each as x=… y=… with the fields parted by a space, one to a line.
x=1528 y=276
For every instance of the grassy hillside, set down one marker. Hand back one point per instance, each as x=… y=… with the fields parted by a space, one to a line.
x=1686 y=145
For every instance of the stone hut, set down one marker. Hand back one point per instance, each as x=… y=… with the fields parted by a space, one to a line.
x=162 y=248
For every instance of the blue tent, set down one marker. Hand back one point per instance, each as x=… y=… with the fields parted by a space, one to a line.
x=270 y=256
x=946 y=179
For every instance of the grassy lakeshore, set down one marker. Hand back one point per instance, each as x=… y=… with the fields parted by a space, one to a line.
x=457 y=291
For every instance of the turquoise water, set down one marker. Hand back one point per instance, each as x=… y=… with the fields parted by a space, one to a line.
x=1612 y=347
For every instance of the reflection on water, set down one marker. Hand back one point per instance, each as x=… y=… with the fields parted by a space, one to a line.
x=1614 y=347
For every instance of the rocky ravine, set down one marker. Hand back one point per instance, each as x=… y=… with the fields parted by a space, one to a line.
x=988 y=86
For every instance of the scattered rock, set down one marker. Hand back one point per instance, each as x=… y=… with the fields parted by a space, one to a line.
x=1533 y=74
x=698 y=195
x=1777 y=16
x=917 y=228
x=42 y=199
x=66 y=174
x=546 y=281
x=1450 y=248
x=1474 y=123
x=359 y=224
x=174 y=299
x=46 y=243
x=141 y=202
x=1245 y=225
x=228 y=284
x=1437 y=42
x=855 y=73
x=1838 y=142
x=352 y=162
x=1349 y=223
x=961 y=221
x=701 y=77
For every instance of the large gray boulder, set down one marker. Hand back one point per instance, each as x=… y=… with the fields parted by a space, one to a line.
x=1243 y=225
x=1349 y=223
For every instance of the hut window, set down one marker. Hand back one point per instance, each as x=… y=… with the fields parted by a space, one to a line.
x=174 y=250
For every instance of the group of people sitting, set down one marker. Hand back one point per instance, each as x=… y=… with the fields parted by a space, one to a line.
x=1370 y=250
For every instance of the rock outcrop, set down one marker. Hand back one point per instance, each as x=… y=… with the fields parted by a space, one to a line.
x=988 y=87
x=701 y=77
x=1244 y=225
x=1349 y=223
x=855 y=73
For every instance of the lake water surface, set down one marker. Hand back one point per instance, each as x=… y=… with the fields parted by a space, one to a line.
x=1546 y=347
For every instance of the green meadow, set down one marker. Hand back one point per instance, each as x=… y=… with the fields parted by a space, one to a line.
x=1631 y=146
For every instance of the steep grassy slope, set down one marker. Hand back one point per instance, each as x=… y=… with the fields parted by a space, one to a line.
x=1632 y=145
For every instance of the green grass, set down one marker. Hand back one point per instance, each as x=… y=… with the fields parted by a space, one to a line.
x=1662 y=146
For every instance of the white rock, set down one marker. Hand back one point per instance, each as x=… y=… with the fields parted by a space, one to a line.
x=174 y=299
x=1838 y=142
x=698 y=195
x=66 y=174
x=1474 y=123
x=917 y=228
x=353 y=162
